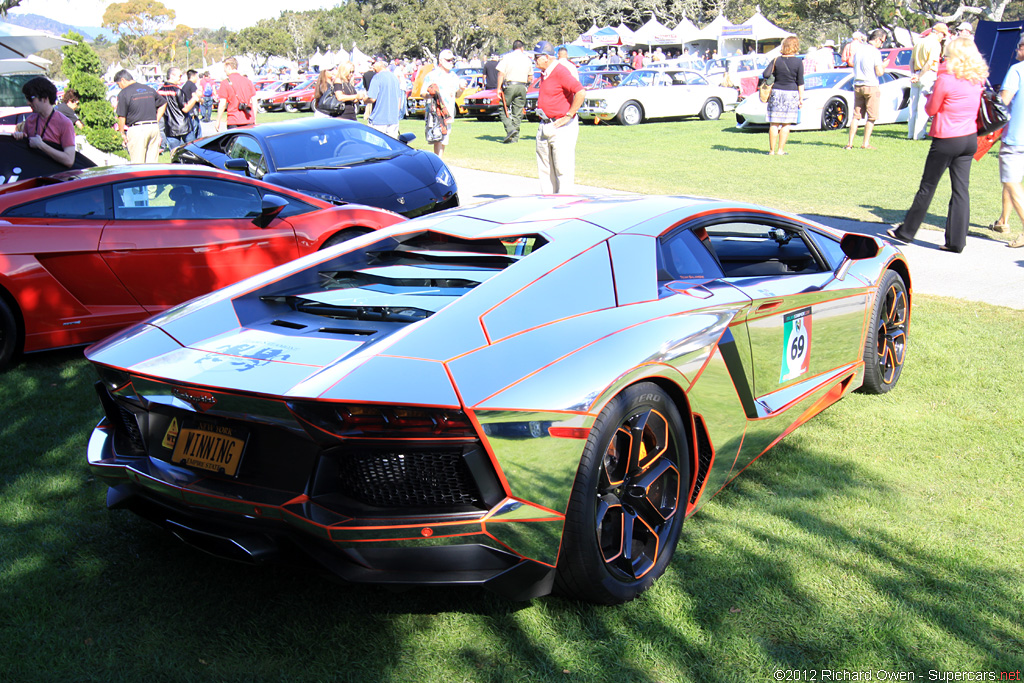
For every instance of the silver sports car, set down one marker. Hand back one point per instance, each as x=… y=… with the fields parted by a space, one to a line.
x=530 y=394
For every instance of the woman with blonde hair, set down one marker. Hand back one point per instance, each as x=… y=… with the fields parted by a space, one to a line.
x=787 y=94
x=954 y=105
x=345 y=91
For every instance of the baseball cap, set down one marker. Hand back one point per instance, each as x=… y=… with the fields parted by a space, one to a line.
x=941 y=28
x=965 y=26
x=544 y=48
x=446 y=56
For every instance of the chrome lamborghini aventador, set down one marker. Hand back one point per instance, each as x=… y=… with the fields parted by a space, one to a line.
x=530 y=394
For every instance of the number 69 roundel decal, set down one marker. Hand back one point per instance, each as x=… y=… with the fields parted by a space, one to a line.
x=796 y=344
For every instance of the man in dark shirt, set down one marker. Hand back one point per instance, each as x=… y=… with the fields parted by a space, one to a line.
x=190 y=93
x=491 y=73
x=139 y=107
x=68 y=105
x=175 y=124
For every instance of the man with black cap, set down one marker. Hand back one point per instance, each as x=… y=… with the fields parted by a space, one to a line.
x=558 y=100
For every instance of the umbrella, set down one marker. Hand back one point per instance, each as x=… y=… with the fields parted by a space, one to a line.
x=577 y=51
x=31 y=64
x=17 y=42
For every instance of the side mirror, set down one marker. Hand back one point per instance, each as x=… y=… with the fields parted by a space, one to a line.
x=857 y=247
x=237 y=165
x=272 y=206
x=407 y=137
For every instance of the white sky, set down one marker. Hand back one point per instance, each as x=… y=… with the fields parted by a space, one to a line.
x=195 y=13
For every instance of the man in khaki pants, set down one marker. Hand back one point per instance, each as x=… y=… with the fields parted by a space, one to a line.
x=558 y=100
x=139 y=107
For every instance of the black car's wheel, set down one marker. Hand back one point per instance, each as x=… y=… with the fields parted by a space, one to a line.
x=344 y=236
x=631 y=113
x=712 y=110
x=8 y=334
x=835 y=114
x=886 y=345
x=628 y=499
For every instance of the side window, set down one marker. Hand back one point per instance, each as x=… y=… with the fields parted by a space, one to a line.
x=245 y=147
x=681 y=256
x=830 y=248
x=903 y=57
x=182 y=198
x=93 y=203
x=295 y=206
x=748 y=249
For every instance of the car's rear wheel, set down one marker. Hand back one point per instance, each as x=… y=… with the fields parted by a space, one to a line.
x=628 y=499
x=8 y=334
x=886 y=346
x=631 y=114
x=344 y=236
x=835 y=114
x=712 y=110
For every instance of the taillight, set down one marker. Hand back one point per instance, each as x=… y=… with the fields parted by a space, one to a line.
x=332 y=421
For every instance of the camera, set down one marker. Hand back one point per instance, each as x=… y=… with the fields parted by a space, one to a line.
x=244 y=107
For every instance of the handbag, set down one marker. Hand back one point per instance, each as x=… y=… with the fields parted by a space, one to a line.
x=764 y=91
x=329 y=104
x=992 y=113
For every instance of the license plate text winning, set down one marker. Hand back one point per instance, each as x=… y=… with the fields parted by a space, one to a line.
x=209 y=447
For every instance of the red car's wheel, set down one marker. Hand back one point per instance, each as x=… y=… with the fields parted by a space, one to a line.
x=628 y=500
x=886 y=345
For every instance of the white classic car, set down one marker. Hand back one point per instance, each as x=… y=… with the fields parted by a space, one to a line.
x=828 y=101
x=658 y=93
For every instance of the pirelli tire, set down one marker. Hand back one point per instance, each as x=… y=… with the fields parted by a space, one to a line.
x=628 y=500
x=885 y=348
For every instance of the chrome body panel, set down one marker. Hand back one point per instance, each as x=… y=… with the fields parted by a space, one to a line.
x=511 y=372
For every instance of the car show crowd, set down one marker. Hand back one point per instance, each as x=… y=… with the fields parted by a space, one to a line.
x=828 y=86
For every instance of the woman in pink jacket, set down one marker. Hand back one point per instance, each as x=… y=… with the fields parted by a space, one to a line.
x=954 y=105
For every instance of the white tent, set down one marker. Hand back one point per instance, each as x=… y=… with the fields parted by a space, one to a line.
x=626 y=34
x=17 y=42
x=713 y=30
x=686 y=31
x=655 y=33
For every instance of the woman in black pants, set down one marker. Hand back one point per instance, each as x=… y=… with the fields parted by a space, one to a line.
x=954 y=105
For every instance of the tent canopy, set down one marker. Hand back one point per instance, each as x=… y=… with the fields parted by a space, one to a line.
x=686 y=31
x=655 y=33
x=713 y=30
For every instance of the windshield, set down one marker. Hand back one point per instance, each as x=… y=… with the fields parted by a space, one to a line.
x=824 y=79
x=331 y=147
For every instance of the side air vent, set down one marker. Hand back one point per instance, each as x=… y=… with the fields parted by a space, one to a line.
x=705 y=455
x=348 y=331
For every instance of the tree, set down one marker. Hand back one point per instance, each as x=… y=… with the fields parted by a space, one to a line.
x=137 y=23
x=261 y=42
x=8 y=4
x=83 y=68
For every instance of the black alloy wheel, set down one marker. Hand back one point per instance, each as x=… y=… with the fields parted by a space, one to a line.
x=628 y=500
x=835 y=114
x=886 y=346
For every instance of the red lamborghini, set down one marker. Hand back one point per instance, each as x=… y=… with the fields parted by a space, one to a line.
x=85 y=253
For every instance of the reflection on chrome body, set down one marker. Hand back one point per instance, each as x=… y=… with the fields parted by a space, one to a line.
x=415 y=404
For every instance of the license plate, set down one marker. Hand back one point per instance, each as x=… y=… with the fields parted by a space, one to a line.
x=210 y=446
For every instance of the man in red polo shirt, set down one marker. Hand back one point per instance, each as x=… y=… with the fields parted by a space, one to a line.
x=237 y=98
x=560 y=97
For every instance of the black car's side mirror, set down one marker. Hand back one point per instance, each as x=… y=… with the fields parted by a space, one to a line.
x=407 y=137
x=272 y=206
x=237 y=165
x=858 y=247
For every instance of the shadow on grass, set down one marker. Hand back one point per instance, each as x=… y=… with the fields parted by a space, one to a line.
x=110 y=597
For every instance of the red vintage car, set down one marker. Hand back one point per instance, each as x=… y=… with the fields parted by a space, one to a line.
x=300 y=99
x=486 y=104
x=85 y=253
x=279 y=101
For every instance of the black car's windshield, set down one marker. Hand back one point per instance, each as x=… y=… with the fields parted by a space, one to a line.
x=332 y=147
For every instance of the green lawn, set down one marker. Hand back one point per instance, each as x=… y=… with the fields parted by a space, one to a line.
x=885 y=534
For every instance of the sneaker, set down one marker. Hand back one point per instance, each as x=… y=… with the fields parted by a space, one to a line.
x=1019 y=242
